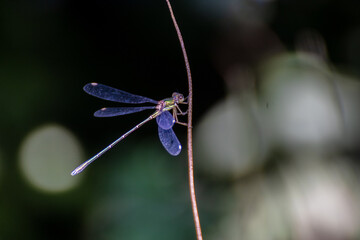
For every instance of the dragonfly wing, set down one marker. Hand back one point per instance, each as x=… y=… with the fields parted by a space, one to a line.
x=165 y=120
x=169 y=141
x=117 y=111
x=115 y=95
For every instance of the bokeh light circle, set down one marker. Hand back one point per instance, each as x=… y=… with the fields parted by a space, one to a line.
x=304 y=110
x=227 y=140
x=48 y=155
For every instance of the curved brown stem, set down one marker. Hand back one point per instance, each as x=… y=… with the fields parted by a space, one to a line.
x=189 y=129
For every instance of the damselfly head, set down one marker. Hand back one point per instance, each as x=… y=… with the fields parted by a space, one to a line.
x=178 y=97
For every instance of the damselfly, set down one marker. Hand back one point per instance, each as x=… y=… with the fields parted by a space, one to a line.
x=164 y=118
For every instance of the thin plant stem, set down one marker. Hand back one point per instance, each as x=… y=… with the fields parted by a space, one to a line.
x=189 y=129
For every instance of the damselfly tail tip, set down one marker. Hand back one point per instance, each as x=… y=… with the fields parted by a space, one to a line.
x=76 y=171
x=81 y=168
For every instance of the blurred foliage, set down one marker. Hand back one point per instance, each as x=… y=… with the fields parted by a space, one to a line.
x=276 y=119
